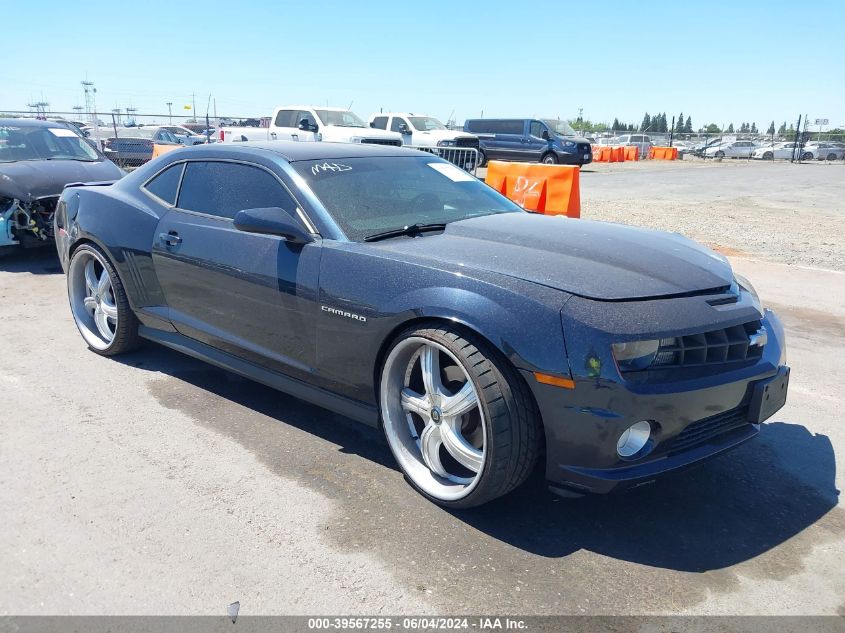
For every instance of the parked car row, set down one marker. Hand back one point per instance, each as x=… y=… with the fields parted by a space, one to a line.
x=549 y=141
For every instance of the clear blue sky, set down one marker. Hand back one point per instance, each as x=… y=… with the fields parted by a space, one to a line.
x=722 y=62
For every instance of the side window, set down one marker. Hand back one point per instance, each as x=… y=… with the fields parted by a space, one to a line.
x=513 y=127
x=304 y=114
x=537 y=129
x=285 y=118
x=223 y=189
x=396 y=124
x=166 y=184
x=380 y=122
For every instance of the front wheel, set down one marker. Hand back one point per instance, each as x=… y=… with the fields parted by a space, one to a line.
x=99 y=304
x=768 y=156
x=482 y=158
x=549 y=159
x=807 y=156
x=720 y=154
x=460 y=422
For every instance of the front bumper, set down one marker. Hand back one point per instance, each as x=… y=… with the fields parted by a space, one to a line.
x=692 y=419
x=567 y=158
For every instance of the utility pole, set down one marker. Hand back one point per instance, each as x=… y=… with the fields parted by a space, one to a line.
x=90 y=94
x=581 y=119
x=130 y=112
x=170 y=112
x=194 y=105
x=795 y=143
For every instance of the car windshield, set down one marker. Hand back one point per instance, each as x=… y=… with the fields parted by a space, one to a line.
x=137 y=132
x=366 y=196
x=340 y=118
x=19 y=143
x=560 y=127
x=426 y=123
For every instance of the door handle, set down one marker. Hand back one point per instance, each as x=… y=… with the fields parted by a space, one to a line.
x=170 y=239
x=273 y=135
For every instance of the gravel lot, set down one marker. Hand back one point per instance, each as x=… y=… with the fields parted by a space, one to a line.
x=782 y=212
x=156 y=484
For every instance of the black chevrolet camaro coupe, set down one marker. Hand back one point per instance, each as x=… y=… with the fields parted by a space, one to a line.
x=392 y=287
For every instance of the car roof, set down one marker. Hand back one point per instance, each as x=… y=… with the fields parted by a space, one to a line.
x=32 y=123
x=293 y=151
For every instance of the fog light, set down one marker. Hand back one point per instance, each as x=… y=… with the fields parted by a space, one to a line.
x=633 y=439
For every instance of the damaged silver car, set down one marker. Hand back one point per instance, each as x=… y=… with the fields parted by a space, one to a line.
x=37 y=159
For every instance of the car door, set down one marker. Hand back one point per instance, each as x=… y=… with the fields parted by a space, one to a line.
x=535 y=145
x=248 y=294
x=284 y=127
x=402 y=126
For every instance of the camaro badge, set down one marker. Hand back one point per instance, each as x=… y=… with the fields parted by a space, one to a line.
x=344 y=313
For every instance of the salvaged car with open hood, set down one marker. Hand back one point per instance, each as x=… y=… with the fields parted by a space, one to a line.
x=37 y=159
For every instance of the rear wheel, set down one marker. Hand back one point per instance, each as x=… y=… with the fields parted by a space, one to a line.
x=549 y=159
x=482 y=158
x=720 y=154
x=807 y=156
x=460 y=421
x=831 y=156
x=768 y=155
x=99 y=304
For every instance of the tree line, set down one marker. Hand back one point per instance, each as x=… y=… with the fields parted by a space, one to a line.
x=659 y=124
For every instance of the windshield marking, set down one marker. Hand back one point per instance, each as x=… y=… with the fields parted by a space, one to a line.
x=333 y=167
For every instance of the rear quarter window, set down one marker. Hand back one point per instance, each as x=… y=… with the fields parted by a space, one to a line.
x=166 y=184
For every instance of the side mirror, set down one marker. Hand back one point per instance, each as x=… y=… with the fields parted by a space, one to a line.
x=545 y=135
x=305 y=126
x=403 y=129
x=272 y=221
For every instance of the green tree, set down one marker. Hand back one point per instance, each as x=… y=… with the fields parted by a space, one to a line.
x=730 y=129
x=688 y=126
x=679 y=123
x=616 y=124
x=712 y=128
x=646 y=124
x=782 y=129
x=771 y=129
x=754 y=128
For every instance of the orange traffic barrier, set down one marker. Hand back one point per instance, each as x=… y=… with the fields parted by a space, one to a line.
x=159 y=149
x=632 y=152
x=663 y=153
x=617 y=154
x=549 y=189
x=602 y=154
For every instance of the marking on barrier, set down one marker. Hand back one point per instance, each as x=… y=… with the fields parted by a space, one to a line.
x=526 y=188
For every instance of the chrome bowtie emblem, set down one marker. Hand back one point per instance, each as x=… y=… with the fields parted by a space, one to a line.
x=436 y=415
x=759 y=338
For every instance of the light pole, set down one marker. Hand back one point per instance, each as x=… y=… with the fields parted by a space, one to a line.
x=170 y=112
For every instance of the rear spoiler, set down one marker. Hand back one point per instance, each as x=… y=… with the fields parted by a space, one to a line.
x=101 y=183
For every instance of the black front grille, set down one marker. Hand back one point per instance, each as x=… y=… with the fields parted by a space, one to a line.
x=725 y=345
x=708 y=428
x=466 y=142
x=584 y=148
x=382 y=141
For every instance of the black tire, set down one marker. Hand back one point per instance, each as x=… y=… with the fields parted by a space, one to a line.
x=513 y=431
x=126 y=336
x=831 y=156
x=768 y=156
x=807 y=156
x=720 y=154
x=550 y=158
x=482 y=158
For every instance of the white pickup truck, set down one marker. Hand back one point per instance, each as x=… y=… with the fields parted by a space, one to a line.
x=312 y=123
x=420 y=130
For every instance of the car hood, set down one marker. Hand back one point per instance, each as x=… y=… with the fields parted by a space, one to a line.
x=598 y=260
x=28 y=180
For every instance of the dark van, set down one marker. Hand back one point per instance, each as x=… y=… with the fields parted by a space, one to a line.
x=549 y=141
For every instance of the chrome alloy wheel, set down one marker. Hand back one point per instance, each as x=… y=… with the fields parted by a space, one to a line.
x=432 y=418
x=92 y=299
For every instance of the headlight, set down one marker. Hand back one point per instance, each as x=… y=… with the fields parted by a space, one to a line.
x=743 y=283
x=568 y=144
x=445 y=143
x=635 y=354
